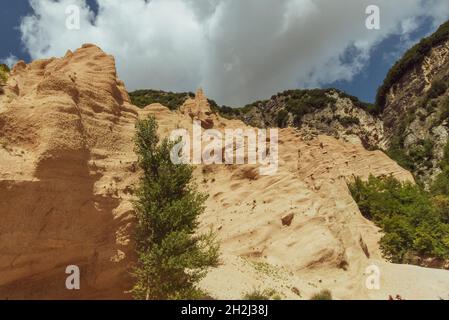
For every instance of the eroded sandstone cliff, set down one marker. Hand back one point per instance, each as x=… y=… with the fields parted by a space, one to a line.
x=66 y=132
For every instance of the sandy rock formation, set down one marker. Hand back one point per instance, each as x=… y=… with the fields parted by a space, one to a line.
x=66 y=155
x=198 y=108
x=67 y=169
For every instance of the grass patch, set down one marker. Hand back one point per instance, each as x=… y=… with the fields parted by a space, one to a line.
x=256 y=295
x=322 y=295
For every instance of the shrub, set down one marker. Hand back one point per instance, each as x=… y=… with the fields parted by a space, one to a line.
x=322 y=295
x=444 y=109
x=396 y=151
x=172 y=258
x=282 y=118
x=4 y=71
x=413 y=224
x=398 y=154
x=348 y=121
x=421 y=151
x=262 y=295
x=302 y=102
x=441 y=184
x=438 y=88
x=171 y=100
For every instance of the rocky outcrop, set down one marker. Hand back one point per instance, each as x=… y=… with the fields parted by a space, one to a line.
x=198 y=108
x=325 y=112
x=66 y=158
x=416 y=113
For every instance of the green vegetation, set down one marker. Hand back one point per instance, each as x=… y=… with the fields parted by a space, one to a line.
x=172 y=258
x=396 y=150
x=255 y=295
x=421 y=152
x=444 y=109
x=437 y=89
x=230 y=112
x=171 y=100
x=282 y=118
x=322 y=295
x=4 y=72
x=348 y=121
x=413 y=57
x=302 y=102
x=441 y=184
x=399 y=155
x=414 y=221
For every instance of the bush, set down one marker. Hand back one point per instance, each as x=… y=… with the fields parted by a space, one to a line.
x=322 y=295
x=421 y=151
x=348 y=121
x=262 y=295
x=438 y=88
x=302 y=102
x=441 y=184
x=282 y=118
x=172 y=258
x=4 y=72
x=398 y=154
x=171 y=100
x=444 y=109
x=412 y=222
x=397 y=151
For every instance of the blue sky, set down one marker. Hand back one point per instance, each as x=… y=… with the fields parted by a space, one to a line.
x=177 y=76
x=364 y=85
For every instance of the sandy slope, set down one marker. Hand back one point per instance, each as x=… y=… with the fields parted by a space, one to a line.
x=323 y=247
x=67 y=167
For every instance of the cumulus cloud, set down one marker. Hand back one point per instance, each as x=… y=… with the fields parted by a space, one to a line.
x=238 y=51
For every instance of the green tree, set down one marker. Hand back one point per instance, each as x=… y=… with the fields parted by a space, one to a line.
x=172 y=257
x=413 y=221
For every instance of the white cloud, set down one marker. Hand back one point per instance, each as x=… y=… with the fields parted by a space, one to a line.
x=10 y=61
x=238 y=51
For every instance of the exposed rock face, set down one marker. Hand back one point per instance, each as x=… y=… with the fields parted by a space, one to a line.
x=343 y=118
x=67 y=169
x=415 y=112
x=66 y=135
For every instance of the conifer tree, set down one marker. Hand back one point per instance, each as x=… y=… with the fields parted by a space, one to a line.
x=172 y=257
